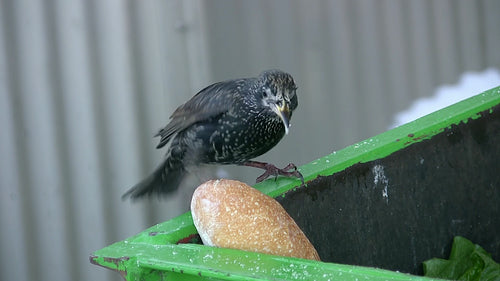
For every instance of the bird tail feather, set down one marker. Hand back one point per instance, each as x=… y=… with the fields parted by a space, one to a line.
x=164 y=180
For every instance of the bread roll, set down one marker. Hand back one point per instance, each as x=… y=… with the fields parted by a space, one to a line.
x=231 y=214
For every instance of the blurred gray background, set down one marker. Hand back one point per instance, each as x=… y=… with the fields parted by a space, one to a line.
x=84 y=85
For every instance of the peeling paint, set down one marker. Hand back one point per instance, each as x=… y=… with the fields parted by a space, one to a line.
x=380 y=177
x=116 y=261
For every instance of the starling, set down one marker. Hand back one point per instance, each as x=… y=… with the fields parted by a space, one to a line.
x=229 y=122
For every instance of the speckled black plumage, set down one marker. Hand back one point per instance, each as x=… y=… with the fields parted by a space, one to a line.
x=228 y=122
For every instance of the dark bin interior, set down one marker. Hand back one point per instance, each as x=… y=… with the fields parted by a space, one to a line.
x=400 y=210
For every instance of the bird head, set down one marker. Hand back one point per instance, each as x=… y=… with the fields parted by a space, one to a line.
x=278 y=93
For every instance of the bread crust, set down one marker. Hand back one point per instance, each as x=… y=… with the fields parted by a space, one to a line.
x=231 y=214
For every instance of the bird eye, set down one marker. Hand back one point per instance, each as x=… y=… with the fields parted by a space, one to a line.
x=279 y=103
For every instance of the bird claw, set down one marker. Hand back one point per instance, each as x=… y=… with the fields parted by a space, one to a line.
x=289 y=171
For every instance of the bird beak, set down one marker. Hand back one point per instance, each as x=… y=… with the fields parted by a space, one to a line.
x=284 y=113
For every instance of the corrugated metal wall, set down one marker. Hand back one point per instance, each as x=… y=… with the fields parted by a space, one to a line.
x=84 y=84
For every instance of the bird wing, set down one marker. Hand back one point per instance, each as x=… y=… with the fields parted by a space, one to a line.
x=207 y=103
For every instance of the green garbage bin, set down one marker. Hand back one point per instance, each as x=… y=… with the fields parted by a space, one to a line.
x=374 y=210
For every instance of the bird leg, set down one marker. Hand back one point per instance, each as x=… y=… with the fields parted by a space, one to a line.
x=271 y=170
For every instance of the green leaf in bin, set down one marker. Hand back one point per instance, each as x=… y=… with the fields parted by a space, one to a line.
x=467 y=261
